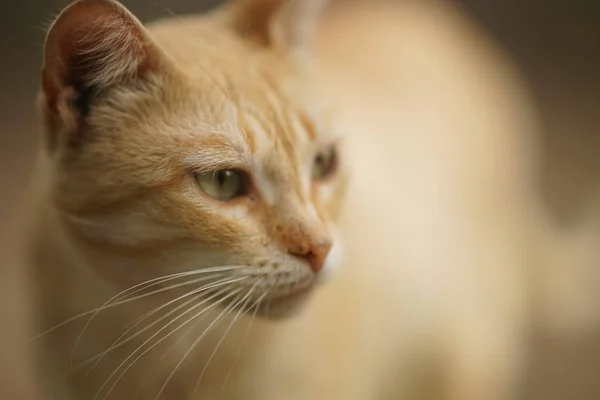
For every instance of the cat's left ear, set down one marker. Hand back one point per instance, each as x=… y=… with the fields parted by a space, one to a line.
x=289 y=25
x=93 y=46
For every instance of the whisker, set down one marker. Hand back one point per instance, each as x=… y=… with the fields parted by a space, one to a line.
x=256 y=305
x=221 y=282
x=138 y=349
x=216 y=321
x=118 y=343
x=159 y=341
x=212 y=285
x=128 y=300
x=175 y=286
x=242 y=304
x=185 y=274
x=175 y=343
x=106 y=305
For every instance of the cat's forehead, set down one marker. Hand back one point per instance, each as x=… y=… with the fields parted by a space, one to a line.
x=202 y=49
x=272 y=113
x=252 y=107
x=258 y=94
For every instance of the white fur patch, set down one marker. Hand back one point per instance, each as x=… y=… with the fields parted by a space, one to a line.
x=332 y=262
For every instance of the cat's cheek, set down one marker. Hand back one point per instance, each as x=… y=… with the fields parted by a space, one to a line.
x=333 y=262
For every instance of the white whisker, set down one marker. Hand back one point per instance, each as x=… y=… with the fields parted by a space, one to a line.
x=118 y=342
x=217 y=320
x=175 y=343
x=184 y=274
x=256 y=305
x=131 y=299
x=159 y=341
x=221 y=282
x=107 y=304
x=242 y=304
x=114 y=346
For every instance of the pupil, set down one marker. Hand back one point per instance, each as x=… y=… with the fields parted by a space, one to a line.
x=222 y=176
x=324 y=163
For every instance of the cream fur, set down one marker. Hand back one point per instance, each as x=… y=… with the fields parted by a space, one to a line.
x=438 y=219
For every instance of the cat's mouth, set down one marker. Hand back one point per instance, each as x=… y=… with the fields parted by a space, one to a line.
x=276 y=295
x=281 y=305
x=284 y=305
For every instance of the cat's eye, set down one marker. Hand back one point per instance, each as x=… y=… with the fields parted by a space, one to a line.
x=325 y=164
x=222 y=185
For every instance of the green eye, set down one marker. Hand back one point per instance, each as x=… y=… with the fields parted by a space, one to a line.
x=325 y=164
x=222 y=185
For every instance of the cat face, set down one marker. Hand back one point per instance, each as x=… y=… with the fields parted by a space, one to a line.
x=193 y=148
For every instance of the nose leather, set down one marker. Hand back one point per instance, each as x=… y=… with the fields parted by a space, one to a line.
x=306 y=240
x=315 y=253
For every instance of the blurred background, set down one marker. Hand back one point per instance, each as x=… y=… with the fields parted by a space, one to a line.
x=556 y=47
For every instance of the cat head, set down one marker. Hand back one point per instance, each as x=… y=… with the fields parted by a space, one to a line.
x=196 y=149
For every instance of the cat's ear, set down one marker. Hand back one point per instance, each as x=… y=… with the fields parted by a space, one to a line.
x=287 y=24
x=91 y=46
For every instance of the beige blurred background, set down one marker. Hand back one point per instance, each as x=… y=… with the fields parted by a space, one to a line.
x=556 y=46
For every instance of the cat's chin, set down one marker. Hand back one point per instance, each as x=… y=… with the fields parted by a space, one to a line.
x=287 y=306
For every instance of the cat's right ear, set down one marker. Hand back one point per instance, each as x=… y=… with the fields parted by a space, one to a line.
x=93 y=45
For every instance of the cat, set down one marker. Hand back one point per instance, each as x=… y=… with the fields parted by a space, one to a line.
x=245 y=204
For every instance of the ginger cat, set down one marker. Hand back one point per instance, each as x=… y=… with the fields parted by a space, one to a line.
x=203 y=177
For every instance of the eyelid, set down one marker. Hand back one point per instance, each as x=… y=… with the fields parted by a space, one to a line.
x=206 y=168
x=198 y=164
x=334 y=145
x=334 y=142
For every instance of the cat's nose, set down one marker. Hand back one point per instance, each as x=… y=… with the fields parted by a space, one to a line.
x=315 y=253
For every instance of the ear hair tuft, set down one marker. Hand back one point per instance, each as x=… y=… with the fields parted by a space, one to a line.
x=95 y=44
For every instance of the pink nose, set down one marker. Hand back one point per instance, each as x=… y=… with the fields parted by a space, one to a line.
x=314 y=254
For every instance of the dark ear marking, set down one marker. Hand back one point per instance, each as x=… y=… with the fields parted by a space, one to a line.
x=91 y=46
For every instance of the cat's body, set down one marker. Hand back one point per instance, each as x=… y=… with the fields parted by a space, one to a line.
x=436 y=222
